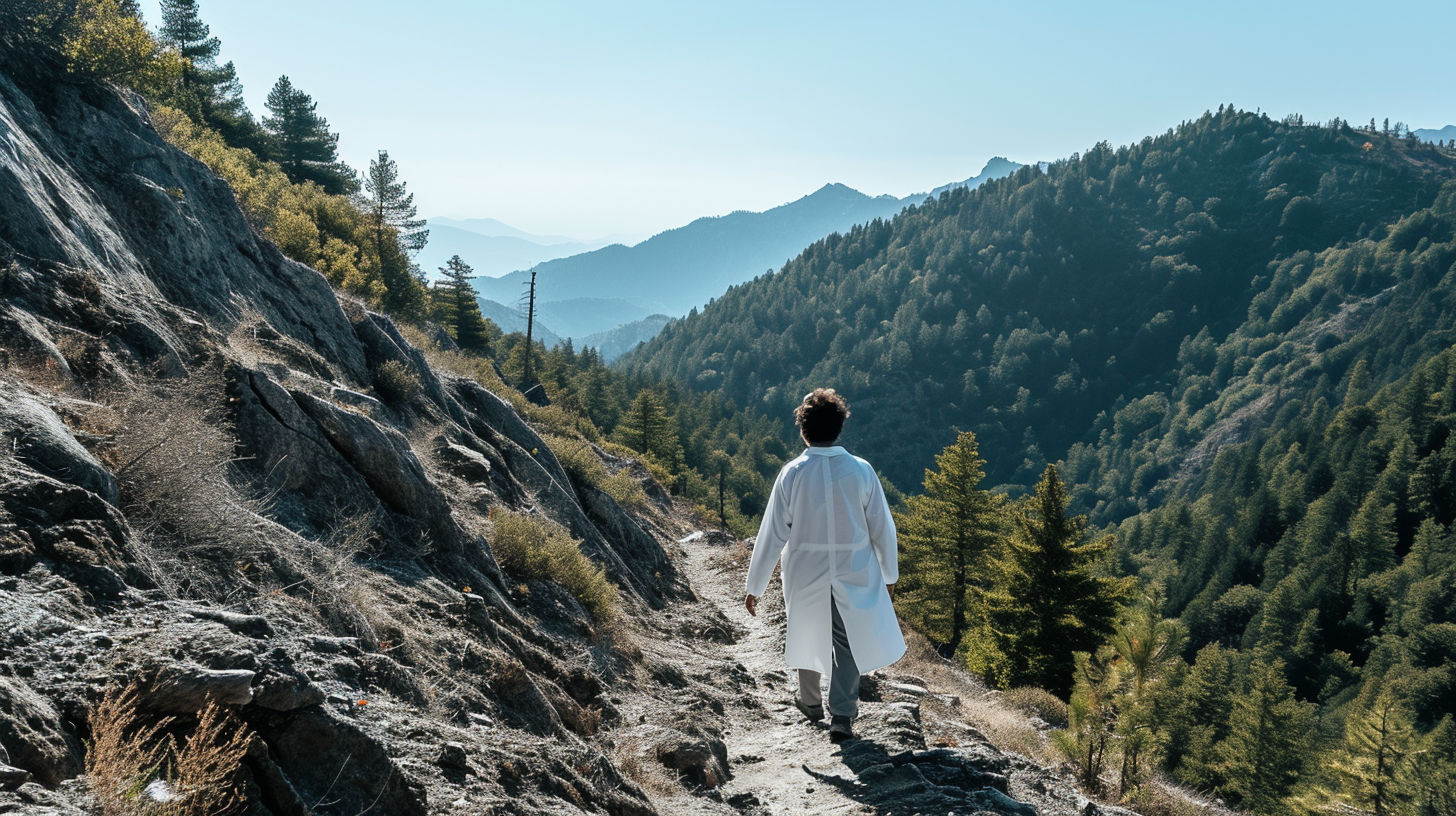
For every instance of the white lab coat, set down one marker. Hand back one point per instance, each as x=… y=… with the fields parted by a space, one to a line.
x=828 y=517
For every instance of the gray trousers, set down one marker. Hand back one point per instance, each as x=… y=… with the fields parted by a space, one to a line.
x=843 y=682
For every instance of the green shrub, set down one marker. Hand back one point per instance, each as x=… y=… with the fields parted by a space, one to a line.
x=397 y=382
x=532 y=547
x=577 y=456
x=557 y=420
x=1037 y=702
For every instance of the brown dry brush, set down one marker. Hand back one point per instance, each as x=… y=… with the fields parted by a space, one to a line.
x=136 y=767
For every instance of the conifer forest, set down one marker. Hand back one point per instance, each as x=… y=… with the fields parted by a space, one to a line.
x=1168 y=427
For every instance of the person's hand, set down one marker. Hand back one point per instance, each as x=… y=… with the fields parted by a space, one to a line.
x=750 y=602
x=891 y=589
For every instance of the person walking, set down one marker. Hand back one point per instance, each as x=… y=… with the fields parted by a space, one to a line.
x=828 y=518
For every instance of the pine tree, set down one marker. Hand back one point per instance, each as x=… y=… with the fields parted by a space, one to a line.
x=1377 y=746
x=302 y=143
x=1199 y=716
x=1429 y=781
x=647 y=428
x=1090 y=716
x=1146 y=645
x=945 y=535
x=209 y=93
x=460 y=311
x=1047 y=599
x=395 y=233
x=1268 y=735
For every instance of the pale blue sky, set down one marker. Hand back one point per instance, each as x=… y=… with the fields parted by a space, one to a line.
x=592 y=118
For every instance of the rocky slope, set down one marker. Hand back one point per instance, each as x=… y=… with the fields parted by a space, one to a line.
x=220 y=481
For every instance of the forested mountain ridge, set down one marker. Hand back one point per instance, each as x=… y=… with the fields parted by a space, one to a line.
x=1027 y=308
x=1264 y=387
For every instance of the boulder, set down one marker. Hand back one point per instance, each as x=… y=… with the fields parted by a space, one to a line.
x=33 y=736
x=701 y=760
x=469 y=465
x=183 y=689
x=40 y=439
x=286 y=692
x=250 y=625
x=326 y=757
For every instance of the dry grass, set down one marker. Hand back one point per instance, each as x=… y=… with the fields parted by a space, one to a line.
x=577 y=456
x=1037 y=702
x=636 y=760
x=1158 y=799
x=1005 y=727
x=532 y=547
x=136 y=767
x=397 y=382
x=171 y=448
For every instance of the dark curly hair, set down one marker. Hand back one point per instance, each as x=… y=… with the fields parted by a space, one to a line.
x=821 y=415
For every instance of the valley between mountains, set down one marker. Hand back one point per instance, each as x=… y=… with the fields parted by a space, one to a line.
x=1168 y=430
x=263 y=551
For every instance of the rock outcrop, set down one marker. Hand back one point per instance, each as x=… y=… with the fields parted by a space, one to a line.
x=204 y=495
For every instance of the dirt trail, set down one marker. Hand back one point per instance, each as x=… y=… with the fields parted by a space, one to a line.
x=781 y=764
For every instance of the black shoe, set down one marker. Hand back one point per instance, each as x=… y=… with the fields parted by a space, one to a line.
x=839 y=728
x=813 y=713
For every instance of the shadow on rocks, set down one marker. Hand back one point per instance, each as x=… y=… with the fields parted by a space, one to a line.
x=901 y=783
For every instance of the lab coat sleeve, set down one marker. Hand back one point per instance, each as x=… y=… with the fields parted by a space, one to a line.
x=882 y=529
x=773 y=533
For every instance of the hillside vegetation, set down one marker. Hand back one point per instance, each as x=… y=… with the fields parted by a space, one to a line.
x=1024 y=309
x=1237 y=339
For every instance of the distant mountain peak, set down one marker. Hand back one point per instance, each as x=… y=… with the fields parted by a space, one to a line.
x=1445 y=134
x=996 y=168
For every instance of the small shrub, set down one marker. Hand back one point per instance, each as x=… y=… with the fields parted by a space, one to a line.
x=397 y=382
x=530 y=547
x=577 y=456
x=136 y=767
x=1037 y=702
x=557 y=420
x=85 y=354
x=636 y=759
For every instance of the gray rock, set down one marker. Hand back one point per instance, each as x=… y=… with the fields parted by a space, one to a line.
x=463 y=462
x=32 y=734
x=11 y=777
x=354 y=399
x=325 y=756
x=39 y=438
x=281 y=692
x=702 y=761
x=249 y=625
x=188 y=689
x=388 y=465
x=453 y=758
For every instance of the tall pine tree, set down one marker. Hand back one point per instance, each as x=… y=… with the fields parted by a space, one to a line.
x=946 y=535
x=1268 y=734
x=396 y=234
x=302 y=143
x=209 y=93
x=457 y=308
x=1047 y=599
x=647 y=428
x=1371 y=764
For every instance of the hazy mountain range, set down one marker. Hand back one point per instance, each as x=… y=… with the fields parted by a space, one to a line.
x=1445 y=134
x=674 y=271
x=494 y=248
